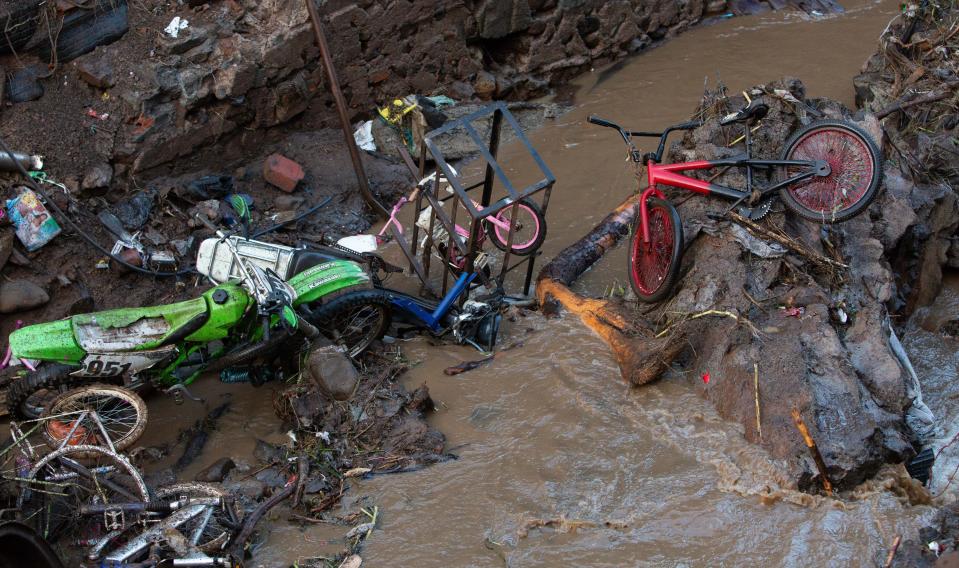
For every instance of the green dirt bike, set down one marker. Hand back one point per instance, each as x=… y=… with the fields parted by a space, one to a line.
x=252 y=315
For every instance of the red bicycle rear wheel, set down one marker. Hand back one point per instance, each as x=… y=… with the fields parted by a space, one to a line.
x=654 y=265
x=855 y=171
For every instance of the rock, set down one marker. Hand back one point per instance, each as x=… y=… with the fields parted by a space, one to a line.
x=209 y=209
x=183 y=246
x=97 y=177
x=499 y=18
x=282 y=172
x=24 y=85
x=484 y=85
x=20 y=296
x=96 y=69
x=186 y=39
x=287 y=202
x=134 y=212
x=17 y=258
x=266 y=452
x=332 y=370
x=6 y=247
x=217 y=471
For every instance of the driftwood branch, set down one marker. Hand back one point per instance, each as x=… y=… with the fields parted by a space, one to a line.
x=813 y=449
x=930 y=97
x=641 y=356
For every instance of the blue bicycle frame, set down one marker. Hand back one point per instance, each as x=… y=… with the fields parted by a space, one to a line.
x=432 y=319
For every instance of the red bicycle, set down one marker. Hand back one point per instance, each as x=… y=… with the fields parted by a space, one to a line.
x=829 y=172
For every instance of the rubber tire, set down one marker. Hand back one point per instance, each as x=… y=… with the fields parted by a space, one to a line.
x=871 y=192
x=676 y=258
x=22 y=547
x=324 y=314
x=530 y=249
x=50 y=377
x=119 y=392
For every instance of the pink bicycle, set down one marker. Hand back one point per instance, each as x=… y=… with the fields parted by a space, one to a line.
x=529 y=230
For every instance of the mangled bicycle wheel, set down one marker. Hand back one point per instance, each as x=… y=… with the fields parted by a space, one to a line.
x=76 y=416
x=212 y=530
x=58 y=488
x=855 y=171
x=654 y=265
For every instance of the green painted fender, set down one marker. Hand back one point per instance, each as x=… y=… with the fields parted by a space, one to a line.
x=328 y=278
x=51 y=341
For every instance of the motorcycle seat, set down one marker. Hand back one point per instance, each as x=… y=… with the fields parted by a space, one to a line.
x=129 y=329
x=304 y=259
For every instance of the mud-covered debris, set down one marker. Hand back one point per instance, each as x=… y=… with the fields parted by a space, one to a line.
x=20 y=296
x=209 y=187
x=135 y=211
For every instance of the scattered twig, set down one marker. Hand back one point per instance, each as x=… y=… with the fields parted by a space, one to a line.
x=470 y=365
x=892 y=551
x=239 y=543
x=814 y=450
x=724 y=313
x=759 y=425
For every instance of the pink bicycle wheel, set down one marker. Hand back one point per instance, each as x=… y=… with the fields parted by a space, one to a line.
x=529 y=229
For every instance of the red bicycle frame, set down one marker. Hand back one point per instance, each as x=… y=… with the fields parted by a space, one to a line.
x=668 y=174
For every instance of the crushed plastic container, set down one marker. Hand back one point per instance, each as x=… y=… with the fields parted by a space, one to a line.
x=35 y=226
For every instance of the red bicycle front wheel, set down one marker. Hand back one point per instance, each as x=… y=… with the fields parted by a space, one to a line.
x=654 y=265
x=855 y=166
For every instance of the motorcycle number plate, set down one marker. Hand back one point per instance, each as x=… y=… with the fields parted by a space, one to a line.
x=115 y=364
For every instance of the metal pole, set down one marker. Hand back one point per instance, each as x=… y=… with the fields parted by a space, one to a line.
x=344 y=119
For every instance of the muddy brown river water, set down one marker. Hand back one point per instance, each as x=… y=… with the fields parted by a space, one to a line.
x=550 y=430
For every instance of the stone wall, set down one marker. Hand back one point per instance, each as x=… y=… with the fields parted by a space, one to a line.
x=244 y=66
x=255 y=64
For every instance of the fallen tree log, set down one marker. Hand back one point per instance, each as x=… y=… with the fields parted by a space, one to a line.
x=641 y=356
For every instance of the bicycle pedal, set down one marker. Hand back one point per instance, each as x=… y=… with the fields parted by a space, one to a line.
x=114 y=519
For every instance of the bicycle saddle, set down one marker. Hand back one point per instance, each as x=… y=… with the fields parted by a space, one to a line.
x=752 y=112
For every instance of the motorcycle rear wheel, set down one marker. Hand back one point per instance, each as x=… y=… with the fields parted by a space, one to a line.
x=29 y=395
x=354 y=320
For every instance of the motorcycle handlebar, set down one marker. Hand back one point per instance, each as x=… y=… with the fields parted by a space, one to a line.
x=592 y=119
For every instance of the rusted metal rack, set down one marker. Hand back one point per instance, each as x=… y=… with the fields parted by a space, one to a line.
x=538 y=192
